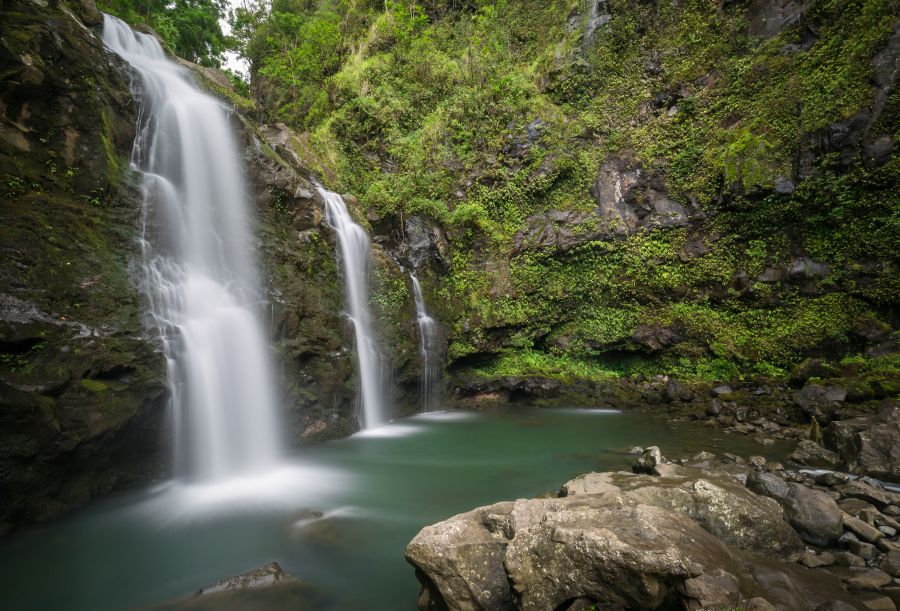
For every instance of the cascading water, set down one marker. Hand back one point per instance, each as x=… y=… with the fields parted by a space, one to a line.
x=198 y=264
x=429 y=349
x=356 y=257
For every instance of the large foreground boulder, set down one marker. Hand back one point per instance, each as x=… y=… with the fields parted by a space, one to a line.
x=687 y=539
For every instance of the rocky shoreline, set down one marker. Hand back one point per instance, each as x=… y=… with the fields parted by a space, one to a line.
x=704 y=532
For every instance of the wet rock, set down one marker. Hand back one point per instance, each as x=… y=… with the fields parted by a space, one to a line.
x=655 y=337
x=82 y=385
x=630 y=198
x=649 y=459
x=616 y=540
x=866 y=551
x=757 y=462
x=461 y=562
x=845 y=558
x=862 y=530
x=811 y=454
x=820 y=402
x=768 y=484
x=557 y=230
x=759 y=604
x=876 y=602
x=868 y=494
x=866 y=579
x=812 y=560
x=723 y=507
x=426 y=243
x=264 y=577
x=835 y=605
x=870 y=444
x=890 y=564
x=721 y=389
x=813 y=514
x=770 y=18
x=716 y=588
x=832 y=478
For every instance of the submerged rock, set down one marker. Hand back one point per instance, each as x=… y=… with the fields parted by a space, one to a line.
x=264 y=577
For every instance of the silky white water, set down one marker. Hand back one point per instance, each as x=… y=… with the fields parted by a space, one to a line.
x=199 y=272
x=429 y=350
x=355 y=257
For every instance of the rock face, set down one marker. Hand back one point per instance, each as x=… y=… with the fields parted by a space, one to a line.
x=869 y=445
x=82 y=387
x=617 y=540
x=629 y=197
x=82 y=382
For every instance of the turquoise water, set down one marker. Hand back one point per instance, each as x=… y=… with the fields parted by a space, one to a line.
x=374 y=491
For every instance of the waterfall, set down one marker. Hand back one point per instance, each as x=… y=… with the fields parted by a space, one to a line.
x=355 y=256
x=199 y=274
x=429 y=349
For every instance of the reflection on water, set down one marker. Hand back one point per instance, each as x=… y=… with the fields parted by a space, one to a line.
x=339 y=516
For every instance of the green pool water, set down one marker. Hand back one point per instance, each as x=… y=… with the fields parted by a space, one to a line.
x=374 y=491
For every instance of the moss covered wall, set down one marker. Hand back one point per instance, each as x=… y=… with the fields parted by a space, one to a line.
x=82 y=387
x=690 y=188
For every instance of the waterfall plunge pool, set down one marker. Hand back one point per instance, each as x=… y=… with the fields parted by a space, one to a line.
x=337 y=515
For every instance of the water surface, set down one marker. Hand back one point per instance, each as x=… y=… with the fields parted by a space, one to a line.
x=375 y=490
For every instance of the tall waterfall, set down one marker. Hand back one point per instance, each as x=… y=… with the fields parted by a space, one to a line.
x=199 y=272
x=355 y=257
x=429 y=350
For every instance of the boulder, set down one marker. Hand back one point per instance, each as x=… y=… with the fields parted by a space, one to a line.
x=820 y=402
x=649 y=459
x=619 y=540
x=813 y=514
x=860 y=491
x=890 y=564
x=864 y=531
x=869 y=445
x=618 y=556
x=768 y=484
x=460 y=561
x=812 y=560
x=811 y=454
x=866 y=579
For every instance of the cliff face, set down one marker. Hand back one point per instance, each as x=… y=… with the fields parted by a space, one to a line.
x=624 y=189
x=81 y=385
x=83 y=392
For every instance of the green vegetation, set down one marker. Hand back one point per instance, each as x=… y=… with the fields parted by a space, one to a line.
x=485 y=115
x=189 y=27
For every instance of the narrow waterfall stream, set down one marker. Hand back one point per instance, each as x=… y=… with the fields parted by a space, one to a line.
x=429 y=351
x=199 y=274
x=355 y=256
